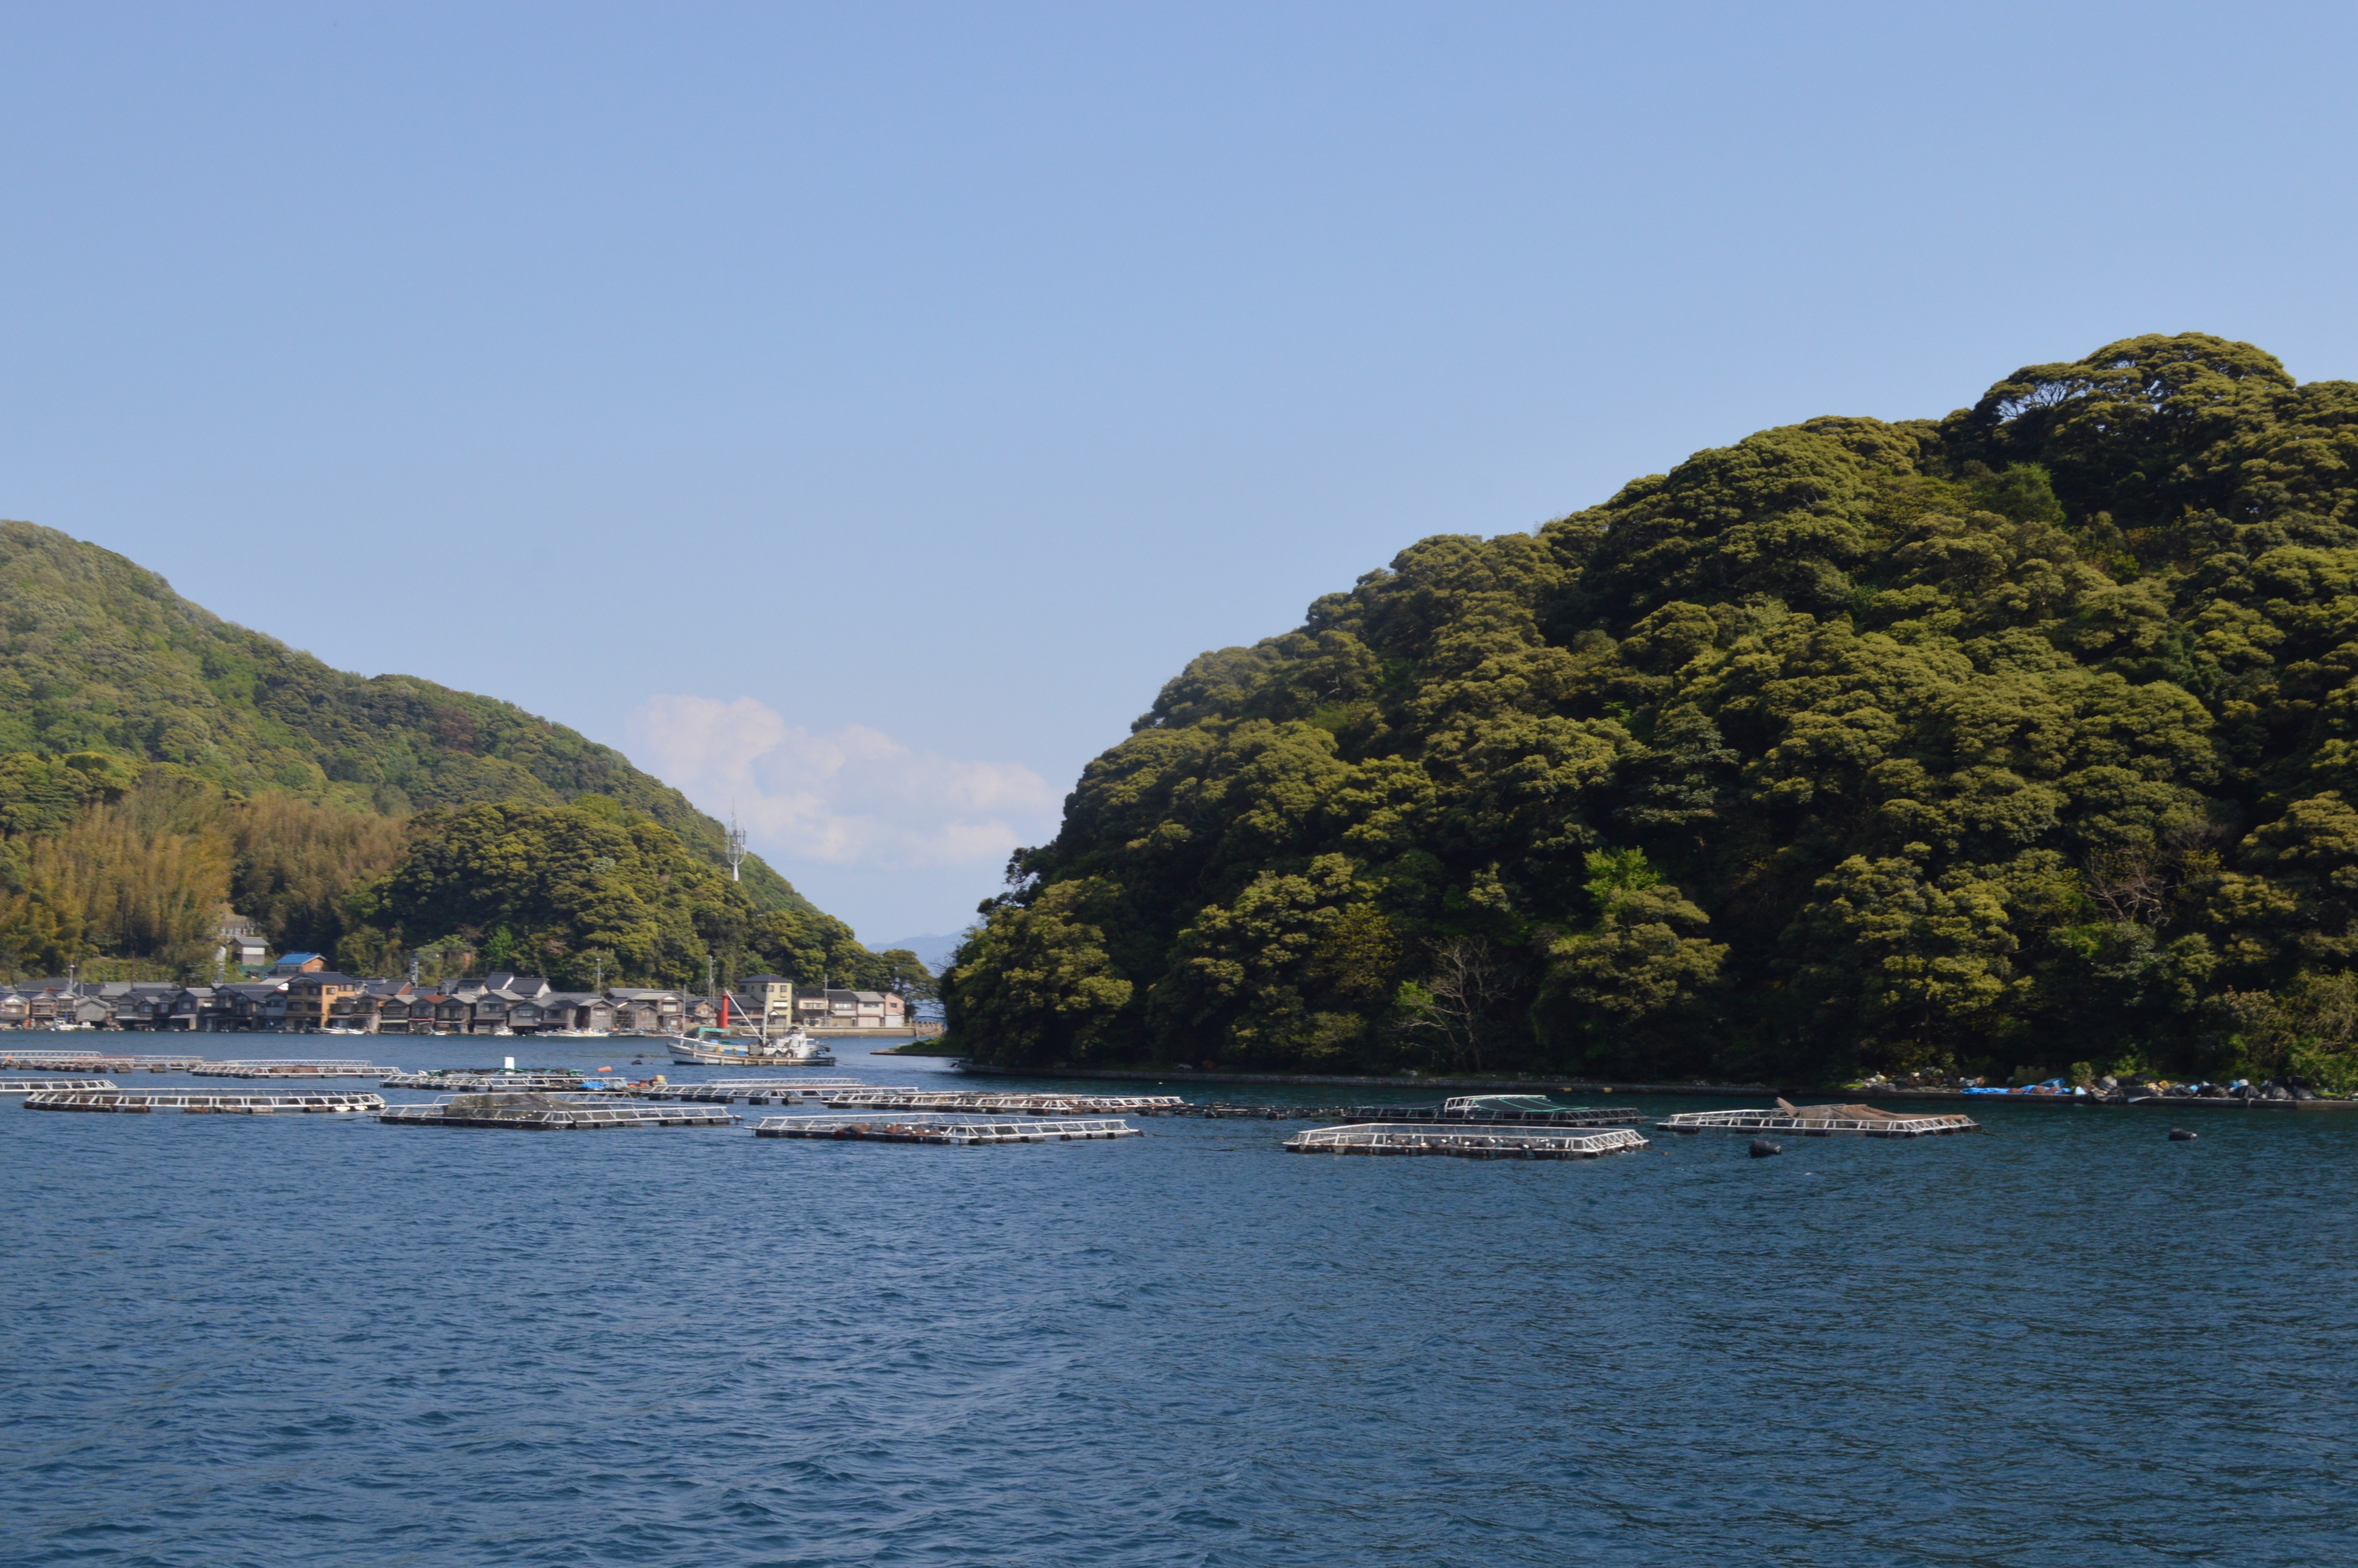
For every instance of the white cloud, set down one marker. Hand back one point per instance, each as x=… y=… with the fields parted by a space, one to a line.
x=852 y=797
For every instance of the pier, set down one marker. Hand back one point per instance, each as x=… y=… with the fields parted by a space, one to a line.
x=1819 y=1121
x=549 y=1113
x=1463 y=1143
x=202 y=1102
x=983 y=1102
x=943 y=1129
x=47 y=1086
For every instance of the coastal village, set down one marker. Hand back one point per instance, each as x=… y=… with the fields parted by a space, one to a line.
x=311 y=997
x=299 y=993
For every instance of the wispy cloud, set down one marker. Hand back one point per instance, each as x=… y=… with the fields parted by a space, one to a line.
x=853 y=796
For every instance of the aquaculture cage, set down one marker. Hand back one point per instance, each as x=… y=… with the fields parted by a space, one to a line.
x=458 y=1080
x=40 y=1086
x=97 y=1061
x=1464 y=1141
x=753 y=1091
x=1819 y=1121
x=291 y=1067
x=200 y=1102
x=944 y=1128
x=987 y=1102
x=550 y=1113
x=1500 y=1111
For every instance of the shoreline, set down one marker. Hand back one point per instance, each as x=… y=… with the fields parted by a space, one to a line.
x=1452 y=1081
x=1600 y=1086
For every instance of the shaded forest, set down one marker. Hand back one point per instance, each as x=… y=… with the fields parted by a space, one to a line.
x=2017 y=741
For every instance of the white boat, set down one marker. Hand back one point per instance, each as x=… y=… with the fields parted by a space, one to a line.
x=796 y=1049
x=712 y=1048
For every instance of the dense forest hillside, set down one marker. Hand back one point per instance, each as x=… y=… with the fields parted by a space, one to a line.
x=2023 y=740
x=155 y=760
x=99 y=654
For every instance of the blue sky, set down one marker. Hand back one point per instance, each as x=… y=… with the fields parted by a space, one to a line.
x=857 y=412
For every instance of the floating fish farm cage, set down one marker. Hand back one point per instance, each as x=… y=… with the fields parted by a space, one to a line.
x=200 y=1102
x=462 y=1081
x=1500 y=1111
x=1819 y=1121
x=290 y=1068
x=91 y=1061
x=985 y=1103
x=753 y=1091
x=47 y=1086
x=550 y=1113
x=1463 y=1142
x=952 y=1129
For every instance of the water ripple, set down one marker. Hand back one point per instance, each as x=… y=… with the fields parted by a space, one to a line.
x=304 y=1342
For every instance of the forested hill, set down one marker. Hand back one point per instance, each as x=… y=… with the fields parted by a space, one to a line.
x=155 y=760
x=2022 y=739
x=101 y=654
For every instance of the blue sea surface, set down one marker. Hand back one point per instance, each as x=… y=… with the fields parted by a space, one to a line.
x=313 y=1340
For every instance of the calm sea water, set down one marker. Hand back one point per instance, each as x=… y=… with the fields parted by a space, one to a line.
x=306 y=1341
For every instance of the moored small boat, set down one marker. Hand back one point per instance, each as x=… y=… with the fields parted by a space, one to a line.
x=711 y=1047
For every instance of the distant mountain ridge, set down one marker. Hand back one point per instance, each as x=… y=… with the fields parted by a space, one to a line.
x=98 y=653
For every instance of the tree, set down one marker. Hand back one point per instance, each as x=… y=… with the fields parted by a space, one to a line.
x=1033 y=984
x=1899 y=742
x=1917 y=962
x=1610 y=991
x=1249 y=982
x=1460 y=1000
x=906 y=977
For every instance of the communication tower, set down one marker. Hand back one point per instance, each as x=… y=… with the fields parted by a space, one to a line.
x=736 y=846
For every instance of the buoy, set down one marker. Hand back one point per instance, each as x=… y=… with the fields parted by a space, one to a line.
x=1762 y=1148
x=2179 y=1135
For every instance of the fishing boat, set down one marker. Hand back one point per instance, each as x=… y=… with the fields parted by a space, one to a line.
x=722 y=1046
x=710 y=1047
x=796 y=1049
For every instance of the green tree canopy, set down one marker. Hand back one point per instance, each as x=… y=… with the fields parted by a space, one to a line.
x=2012 y=739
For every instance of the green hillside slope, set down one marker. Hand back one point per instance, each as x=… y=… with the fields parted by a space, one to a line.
x=156 y=761
x=101 y=654
x=2024 y=738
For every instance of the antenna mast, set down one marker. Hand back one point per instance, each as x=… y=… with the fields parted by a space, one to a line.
x=735 y=847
